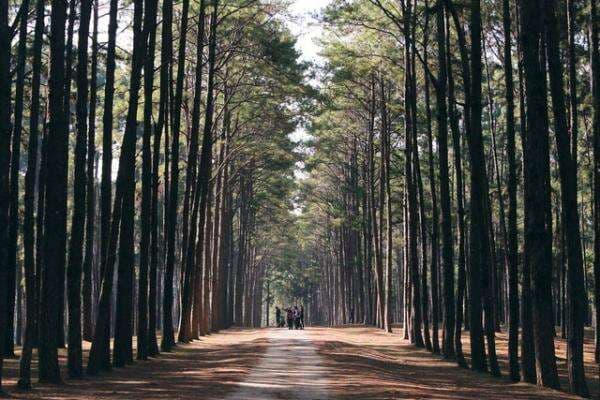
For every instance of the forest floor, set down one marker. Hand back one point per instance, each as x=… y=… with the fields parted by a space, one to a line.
x=353 y=362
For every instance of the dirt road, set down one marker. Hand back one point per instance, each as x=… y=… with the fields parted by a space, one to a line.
x=358 y=363
x=291 y=368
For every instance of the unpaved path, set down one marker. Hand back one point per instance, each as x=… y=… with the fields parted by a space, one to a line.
x=345 y=363
x=291 y=368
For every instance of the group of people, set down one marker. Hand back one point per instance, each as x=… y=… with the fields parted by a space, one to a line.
x=294 y=317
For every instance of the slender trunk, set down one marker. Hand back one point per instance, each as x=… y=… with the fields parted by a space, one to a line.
x=385 y=150
x=5 y=100
x=460 y=210
x=146 y=211
x=163 y=118
x=434 y=278
x=13 y=223
x=28 y=219
x=595 y=53
x=67 y=109
x=168 y=339
x=99 y=358
x=446 y=218
x=513 y=274
x=527 y=347
x=187 y=327
x=205 y=169
x=90 y=219
x=74 y=360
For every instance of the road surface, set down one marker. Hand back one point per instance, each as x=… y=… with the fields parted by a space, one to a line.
x=290 y=368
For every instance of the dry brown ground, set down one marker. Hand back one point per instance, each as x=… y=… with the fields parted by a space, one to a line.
x=358 y=363
x=372 y=364
x=204 y=369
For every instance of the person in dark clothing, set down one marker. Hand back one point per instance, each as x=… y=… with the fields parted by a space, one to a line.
x=352 y=315
x=290 y=318
x=301 y=317
x=296 y=318
x=278 y=316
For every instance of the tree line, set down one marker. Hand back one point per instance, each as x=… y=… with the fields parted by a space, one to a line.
x=454 y=184
x=143 y=149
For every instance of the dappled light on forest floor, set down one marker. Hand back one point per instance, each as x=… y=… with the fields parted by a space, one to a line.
x=370 y=364
x=205 y=369
x=560 y=346
x=350 y=362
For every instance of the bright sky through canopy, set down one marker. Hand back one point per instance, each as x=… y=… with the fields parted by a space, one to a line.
x=306 y=28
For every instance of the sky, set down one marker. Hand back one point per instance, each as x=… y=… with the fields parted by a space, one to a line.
x=305 y=27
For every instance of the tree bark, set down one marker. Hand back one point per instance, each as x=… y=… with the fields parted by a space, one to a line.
x=446 y=218
x=55 y=222
x=5 y=101
x=123 y=352
x=460 y=210
x=89 y=262
x=99 y=358
x=186 y=328
x=576 y=295
x=15 y=160
x=31 y=291
x=595 y=52
x=538 y=235
x=149 y=28
x=513 y=274
x=74 y=359
x=168 y=339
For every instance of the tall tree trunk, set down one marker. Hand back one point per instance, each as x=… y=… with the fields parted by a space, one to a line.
x=168 y=338
x=573 y=123
x=15 y=160
x=447 y=247
x=595 y=53
x=205 y=169
x=149 y=28
x=435 y=306
x=67 y=107
x=186 y=328
x=55 y=222
x=385 y=150
x=99 y=358
x=513 y=273
x=163 y=118
x=376 y=230
x=28 y=219
x=577 y=298
x=74 y=270
x=460 y=210
x=528 y=373
x=423 y=231
x=538 y=235
x=480 y=267
x=4 y=164
x=90 y=219
x=107 y=123
x=125 y=192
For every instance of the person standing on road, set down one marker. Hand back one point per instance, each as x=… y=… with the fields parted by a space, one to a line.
x=278 y=316
x=290 y=318
x=301 y=316
x=296 y=318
